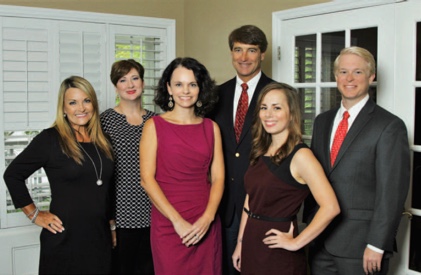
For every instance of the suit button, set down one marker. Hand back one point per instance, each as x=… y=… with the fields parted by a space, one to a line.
x=237 y=154
x=232 y=179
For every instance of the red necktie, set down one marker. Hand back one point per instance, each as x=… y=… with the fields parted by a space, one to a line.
x=243 y=104
x=339 y=137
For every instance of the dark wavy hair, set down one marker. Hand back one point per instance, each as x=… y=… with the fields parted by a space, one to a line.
x=207 y=87
x=261 y=140
x=122 y=67
x=248 y=34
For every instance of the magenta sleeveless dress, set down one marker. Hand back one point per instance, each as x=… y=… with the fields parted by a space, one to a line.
x=183 y=158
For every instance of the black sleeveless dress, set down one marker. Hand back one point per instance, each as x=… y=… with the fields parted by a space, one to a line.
x=275 y=194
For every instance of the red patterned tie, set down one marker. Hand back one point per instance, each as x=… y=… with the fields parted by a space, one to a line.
x=243 y=104
x=339 y=137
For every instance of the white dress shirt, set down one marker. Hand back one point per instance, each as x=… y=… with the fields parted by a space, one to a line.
x=252 y=84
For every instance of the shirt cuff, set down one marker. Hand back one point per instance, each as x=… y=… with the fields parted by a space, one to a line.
x=375 y=249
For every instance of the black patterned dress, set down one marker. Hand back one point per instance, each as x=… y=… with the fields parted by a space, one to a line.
x=133 y=207
x=273 y=193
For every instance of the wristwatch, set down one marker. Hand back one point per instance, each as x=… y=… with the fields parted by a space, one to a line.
x=113 y=227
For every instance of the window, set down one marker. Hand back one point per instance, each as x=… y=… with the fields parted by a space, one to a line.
x=14 y=143
x=39 y=50
x=307 y=76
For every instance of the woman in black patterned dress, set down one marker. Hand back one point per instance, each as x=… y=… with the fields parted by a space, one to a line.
x=124 y=124
x=283 y=171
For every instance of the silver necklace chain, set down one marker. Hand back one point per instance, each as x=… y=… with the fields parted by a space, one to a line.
x=99 y=181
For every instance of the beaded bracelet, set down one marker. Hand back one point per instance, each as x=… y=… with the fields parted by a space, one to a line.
x=30 y=214
x=35 y=215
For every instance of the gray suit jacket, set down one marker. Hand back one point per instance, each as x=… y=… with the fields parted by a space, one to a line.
x=370 y=177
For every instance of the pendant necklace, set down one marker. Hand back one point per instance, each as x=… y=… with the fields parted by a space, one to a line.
x=99 y=181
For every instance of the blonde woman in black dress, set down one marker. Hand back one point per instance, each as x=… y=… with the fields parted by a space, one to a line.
x=77 y=158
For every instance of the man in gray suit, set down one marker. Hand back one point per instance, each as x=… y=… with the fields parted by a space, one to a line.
x=248 y=46
x=370 y=174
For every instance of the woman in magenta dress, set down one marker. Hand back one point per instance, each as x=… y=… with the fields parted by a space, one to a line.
x=182 y=171
x=283 y=171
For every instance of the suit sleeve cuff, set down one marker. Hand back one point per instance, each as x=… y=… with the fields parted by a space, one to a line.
x=375 y=249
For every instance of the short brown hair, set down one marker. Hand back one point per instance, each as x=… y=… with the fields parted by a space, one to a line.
x=123 y=67
x=248 y=34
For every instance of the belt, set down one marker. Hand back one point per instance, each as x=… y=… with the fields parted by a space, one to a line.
x=269 y=219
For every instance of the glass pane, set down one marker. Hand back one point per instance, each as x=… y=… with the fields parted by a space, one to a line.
x=330 y=98
x=415 y=244
x=307 y=140
x=305 y=58
x=365 y=38
x=308 y=103
x=147 y=99
x=37 y=183
x=332 y=44
x=418 y=53
x=416 y=181
x=373 y=93
x=417 y=126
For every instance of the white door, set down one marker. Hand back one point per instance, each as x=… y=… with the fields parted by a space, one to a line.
x=408 y=107
x=305 y=43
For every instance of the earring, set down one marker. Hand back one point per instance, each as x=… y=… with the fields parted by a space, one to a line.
x=64 y=115
x=199 y=104
x=170 y=103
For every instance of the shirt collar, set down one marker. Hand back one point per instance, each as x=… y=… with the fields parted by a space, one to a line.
x=252 y=82
x=354 y=110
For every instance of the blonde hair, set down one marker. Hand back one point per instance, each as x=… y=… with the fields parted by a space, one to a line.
x=261 y=139
x=361 y=52
x=68 y=142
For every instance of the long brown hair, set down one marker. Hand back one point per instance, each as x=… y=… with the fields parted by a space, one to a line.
x=261 y=140
x=68 y=142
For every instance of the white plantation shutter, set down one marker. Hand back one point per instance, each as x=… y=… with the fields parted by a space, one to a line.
x=82 y=53
x=26 y=57
x=26 y=85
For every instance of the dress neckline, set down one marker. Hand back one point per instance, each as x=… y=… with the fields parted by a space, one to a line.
x=172 y=123
x=124 y=117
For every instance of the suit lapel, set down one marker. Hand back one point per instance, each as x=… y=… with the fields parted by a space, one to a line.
x=326 y=132
x=360 y=121
x=228 y=109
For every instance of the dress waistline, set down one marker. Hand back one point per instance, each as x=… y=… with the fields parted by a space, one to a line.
x=269 y=219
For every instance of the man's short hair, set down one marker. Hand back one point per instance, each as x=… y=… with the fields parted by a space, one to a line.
x=361 y=52
x=248 y=34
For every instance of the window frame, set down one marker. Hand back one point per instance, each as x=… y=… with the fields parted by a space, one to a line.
x=58 y=18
